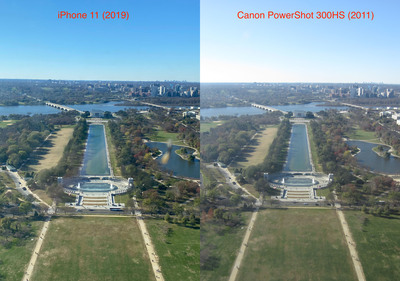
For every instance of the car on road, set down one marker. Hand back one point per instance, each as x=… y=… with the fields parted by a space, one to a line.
x=24 y=188
x=234 y=182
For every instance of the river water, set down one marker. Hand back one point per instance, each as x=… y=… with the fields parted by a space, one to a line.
x=250 y=110
x=45 y=109
x=298 y=158
x=368 y=158
x=176 y=164
x=95 y=161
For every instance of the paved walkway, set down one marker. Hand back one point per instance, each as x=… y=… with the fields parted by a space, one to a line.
x=36 y=251
x=239 y=258
x=350 y=243
x=149 y=245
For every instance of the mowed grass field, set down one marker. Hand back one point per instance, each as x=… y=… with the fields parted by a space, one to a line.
x=16 y=259
x=51 y=152
x=360 y=134
x=163 y=136
x=206 y=126
x=222 y=243
x=256 y=152
x=378 y=244
x=297 y=244
x=178 y=249
x=6 y=123
x=93 y=248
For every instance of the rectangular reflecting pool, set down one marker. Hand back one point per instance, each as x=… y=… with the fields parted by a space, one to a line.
x=95 y=160
x=298 y=158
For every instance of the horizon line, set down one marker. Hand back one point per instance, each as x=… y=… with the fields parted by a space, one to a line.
x=105 y=80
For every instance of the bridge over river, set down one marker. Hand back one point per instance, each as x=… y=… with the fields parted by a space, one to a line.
x=267 y=108
x=63 y=107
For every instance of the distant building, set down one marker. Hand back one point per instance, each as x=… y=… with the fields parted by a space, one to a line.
x=385 y=113
x=154 y=91
x=189 y=114
x=299 y=113
x=11 y=168
x=360 y=92
x=97 y=113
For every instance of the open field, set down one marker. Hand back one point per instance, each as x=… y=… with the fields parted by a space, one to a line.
x=178 y=249
x=378 y=244
x=162 y=136
x=52 y=150
x=6 y=123
x=297 y=244
x=257 y=150
x=15 y=259
x=93 y=248
x=206 y=126
x=222 y=244
x=359 y=134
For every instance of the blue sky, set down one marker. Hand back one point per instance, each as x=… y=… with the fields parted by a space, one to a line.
x=234 y=50
x=160 y=41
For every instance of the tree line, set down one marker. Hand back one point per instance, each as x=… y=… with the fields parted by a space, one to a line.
x=224 y=142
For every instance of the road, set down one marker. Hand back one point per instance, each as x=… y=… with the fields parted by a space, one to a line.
x=230 y=178
x=149 y=245
x=239 y=258
x=20 y=183
x=350 y=242
x=36 y=250
x=232 y=182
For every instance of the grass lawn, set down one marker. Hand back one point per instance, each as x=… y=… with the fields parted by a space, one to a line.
x=257 y=150
x=112 y=152
x=122 y=198
x=359 y=134
x=6 y=180
x=6 y=123
x=378 y=244
x=250 y=188
x=314 y=154
x=297 y=244
x=323 y=192
x=15 y=259
x=93 y=248
x=44 y=196
x=206 y=126
x=162 y=136
x=211 y=175
x=223 y=244
x=51 y=152
x=178 y=249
